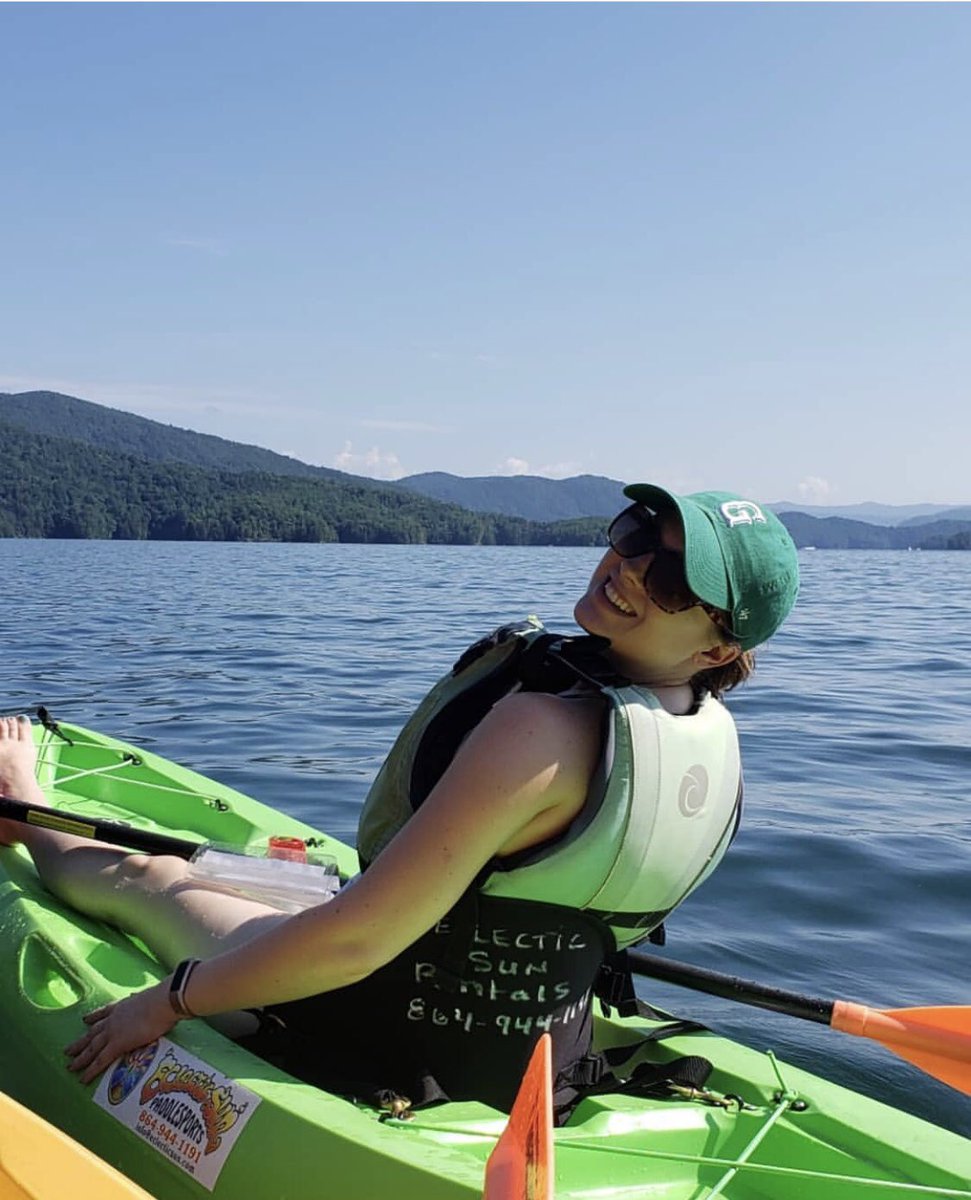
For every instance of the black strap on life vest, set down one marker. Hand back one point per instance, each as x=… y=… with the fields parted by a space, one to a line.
x=582 y=658
x=603 y=1072
x=599 y=1073
x=550 y=662
x=614 y=988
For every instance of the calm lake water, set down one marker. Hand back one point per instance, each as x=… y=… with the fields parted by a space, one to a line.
x=286 y=671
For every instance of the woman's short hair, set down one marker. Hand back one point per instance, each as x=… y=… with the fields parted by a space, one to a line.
x=722 y=679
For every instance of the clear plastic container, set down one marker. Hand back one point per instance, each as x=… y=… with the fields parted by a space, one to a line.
x=283 y=875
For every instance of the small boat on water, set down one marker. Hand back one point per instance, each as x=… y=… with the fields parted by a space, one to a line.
x=196 y=1114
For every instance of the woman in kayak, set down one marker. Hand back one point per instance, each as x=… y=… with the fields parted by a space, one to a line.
x=550 y=802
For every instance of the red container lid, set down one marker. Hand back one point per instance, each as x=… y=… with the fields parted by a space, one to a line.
x=293 y=848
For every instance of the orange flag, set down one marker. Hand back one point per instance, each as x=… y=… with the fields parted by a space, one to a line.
x=520 y=1166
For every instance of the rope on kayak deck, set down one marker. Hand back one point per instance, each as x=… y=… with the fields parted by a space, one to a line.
x=905 y=1191
x=127 y=760
x=145 y=783
x=786 y=1100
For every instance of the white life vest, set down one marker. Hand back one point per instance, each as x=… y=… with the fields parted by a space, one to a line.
x=659 y=816
x=655 y=827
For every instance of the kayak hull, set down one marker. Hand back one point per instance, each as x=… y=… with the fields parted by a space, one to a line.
x=796 y=1135
x=39 y=1162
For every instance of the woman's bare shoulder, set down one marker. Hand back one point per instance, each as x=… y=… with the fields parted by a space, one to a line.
x=531 y=715
x=535 y=738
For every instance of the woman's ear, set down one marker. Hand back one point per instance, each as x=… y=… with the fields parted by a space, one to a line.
x=719 y=655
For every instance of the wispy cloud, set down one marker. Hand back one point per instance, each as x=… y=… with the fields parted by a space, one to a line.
x=404 y=426
x=203 y=245
x=519 y=466
x=513 y=466
x=814 y=488
x=560 y=470
x=375 y=463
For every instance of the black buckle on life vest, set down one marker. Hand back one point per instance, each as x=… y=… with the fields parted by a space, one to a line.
x=489 y=642
x=583 y=658
x=614 y=986
x=584 y=1073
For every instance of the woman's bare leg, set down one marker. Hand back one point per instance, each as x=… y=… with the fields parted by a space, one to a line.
x=152 y=897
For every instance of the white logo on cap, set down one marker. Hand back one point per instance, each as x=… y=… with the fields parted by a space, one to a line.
x=741 y=512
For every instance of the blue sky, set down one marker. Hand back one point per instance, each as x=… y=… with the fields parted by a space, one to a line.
x=703 y=245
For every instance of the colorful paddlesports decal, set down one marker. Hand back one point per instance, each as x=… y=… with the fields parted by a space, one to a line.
x=181 y=1106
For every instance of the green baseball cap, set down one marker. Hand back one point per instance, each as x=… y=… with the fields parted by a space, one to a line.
x=738 y=556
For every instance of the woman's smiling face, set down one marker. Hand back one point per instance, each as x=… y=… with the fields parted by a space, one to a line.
x=647 y=644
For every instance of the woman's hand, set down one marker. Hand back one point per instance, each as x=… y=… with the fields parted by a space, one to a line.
x=119 y=1027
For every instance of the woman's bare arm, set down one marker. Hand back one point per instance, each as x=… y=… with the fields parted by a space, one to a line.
x=525 y=768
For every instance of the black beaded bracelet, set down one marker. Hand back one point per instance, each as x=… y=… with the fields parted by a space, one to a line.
x=180 y=981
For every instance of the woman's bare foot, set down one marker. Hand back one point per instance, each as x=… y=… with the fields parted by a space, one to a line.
x=18 y=754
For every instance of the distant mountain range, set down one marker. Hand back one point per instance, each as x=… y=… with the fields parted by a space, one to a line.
x=217 y=488
x=876 y=514
x=539 y=499
x=839 y=533
x=529 y=496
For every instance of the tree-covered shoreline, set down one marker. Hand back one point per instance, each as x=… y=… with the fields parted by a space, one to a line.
x=73 y=469
x=60 y=488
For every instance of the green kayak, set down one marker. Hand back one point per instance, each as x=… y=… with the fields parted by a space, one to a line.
x=197 y=1114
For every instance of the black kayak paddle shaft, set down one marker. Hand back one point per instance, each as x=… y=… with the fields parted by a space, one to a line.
x=116 y=833
x=809 y=1008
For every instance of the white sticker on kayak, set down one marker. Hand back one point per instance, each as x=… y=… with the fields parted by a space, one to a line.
x=181 y=1106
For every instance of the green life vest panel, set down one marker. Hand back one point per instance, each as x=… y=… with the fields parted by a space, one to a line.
x=666 y=814
x=660 y=812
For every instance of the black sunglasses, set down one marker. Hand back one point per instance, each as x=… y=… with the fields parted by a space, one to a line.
x=637 y=531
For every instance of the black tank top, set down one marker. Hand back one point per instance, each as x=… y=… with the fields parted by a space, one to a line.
x=457 y=1014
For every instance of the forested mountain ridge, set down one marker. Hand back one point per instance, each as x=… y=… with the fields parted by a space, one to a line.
x=52 y=414
x=534 y=498
x=55 y=487
x=70 y=468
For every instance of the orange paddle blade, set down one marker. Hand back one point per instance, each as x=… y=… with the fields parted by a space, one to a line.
x=938 y=1040
x=520 y=1166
